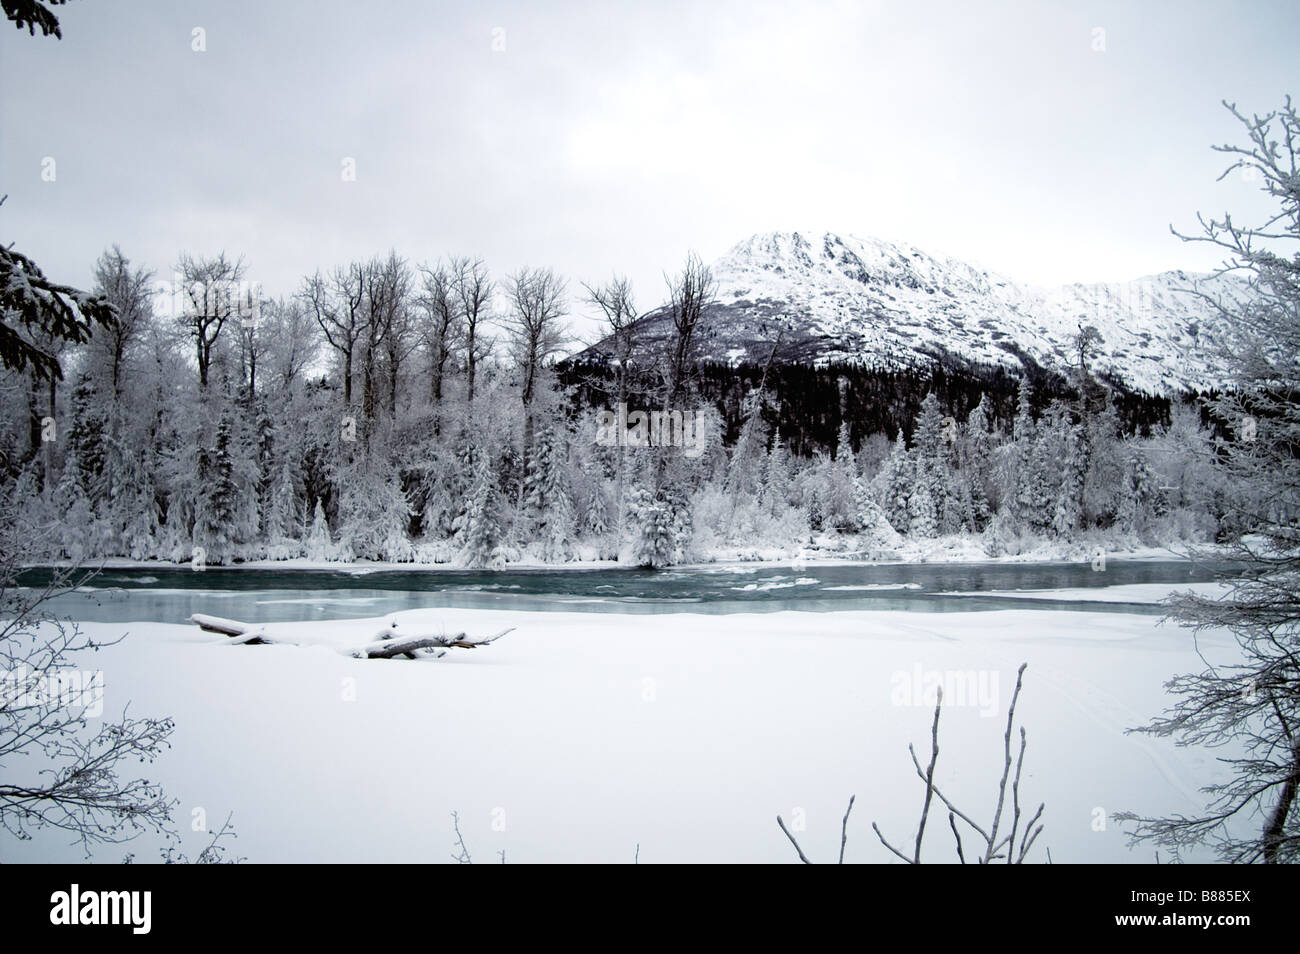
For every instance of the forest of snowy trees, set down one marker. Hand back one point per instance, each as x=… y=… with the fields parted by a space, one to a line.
x=402 y=412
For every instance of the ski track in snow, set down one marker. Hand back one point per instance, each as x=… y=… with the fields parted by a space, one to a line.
x=1102 y=708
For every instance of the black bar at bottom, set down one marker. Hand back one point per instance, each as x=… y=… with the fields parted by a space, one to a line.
x=371 y=903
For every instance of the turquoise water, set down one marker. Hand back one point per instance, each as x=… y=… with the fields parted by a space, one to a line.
x=170 y=594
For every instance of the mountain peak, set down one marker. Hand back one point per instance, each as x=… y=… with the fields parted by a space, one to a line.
x=844 y=297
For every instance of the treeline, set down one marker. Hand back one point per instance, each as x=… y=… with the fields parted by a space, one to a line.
x=810 y=402
x=397 y=411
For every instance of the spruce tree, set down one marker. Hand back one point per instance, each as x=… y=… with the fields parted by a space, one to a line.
x=933 y=470
x=282 y=520
x=481 y=531
x=921 y=518
x=870 y=518
x=976 y=465
x=137 y=509
x=87 y=441
x=1027 y=499
x=597 y=513
x=655 y=528
x=1069 y=499
x=76 y=518
x=774 y=488
x=897 y=483
x=318 y=545
x=217 y=498
x=546 y=493
x=839 y=488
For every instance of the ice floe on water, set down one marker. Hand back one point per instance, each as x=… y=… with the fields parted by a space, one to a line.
x=876 y=586
x=777 y=584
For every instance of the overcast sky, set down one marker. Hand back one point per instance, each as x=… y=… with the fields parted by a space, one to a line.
x=616 y=136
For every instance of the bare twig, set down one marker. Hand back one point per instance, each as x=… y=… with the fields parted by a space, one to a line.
x=1006 y=768
x=461 y=856
x=876 y=829
x=844 y=828
x=802 y=856
x=952 y=823
x=929 y=774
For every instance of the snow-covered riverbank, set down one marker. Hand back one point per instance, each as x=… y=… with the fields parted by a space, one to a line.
x=580 y=736
x=950 y=550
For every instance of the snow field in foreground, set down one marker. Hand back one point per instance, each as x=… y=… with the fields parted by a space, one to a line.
x=579 y=736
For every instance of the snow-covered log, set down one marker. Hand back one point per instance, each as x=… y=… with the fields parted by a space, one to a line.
x=387 y=649
x=251 y=633
x=393 y=640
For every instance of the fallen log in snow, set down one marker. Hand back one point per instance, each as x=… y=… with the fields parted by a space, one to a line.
x=393 y=640
x=252 y=633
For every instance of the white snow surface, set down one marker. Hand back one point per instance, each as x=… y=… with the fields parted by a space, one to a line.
x=1148 y=593
x=579 y=737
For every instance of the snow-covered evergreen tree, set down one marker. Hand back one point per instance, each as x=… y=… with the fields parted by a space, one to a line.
x=976 y=464
x=896 y=484
x=480 y=534
x=444 y=499
x=218 y=503
x=872 y=524
x=921 y=518
x=137 y=505
x=282 y=522
x=1023 y=501
x=838 y=494
x=934 y=447
x=655 y=529
x=76 y=518
x=1104 y=487
x=1141 y=496
x=263 y=461
x=546 y=493
x=774 y=487
x=597 y=512
x=87 y=440
x=319 y=546
x=1068 y=510
x=1037 y=481
x=745 y=463
x=557 y=544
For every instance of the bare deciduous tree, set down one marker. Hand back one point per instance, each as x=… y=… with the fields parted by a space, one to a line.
x=474 y=291
x=537 y=306
x=689 y=293
x=614 y=299
x=57 y=773
x=293 y=339
x=127 y=290
x=336 y=303
x=211 y=299
x=441 y=323
x=387 y=288
x=402 y=338
x=1251 y=704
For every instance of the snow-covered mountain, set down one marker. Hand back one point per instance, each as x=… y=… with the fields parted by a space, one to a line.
x=890 y=305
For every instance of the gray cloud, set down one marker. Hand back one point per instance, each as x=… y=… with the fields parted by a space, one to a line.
x=611 y=136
